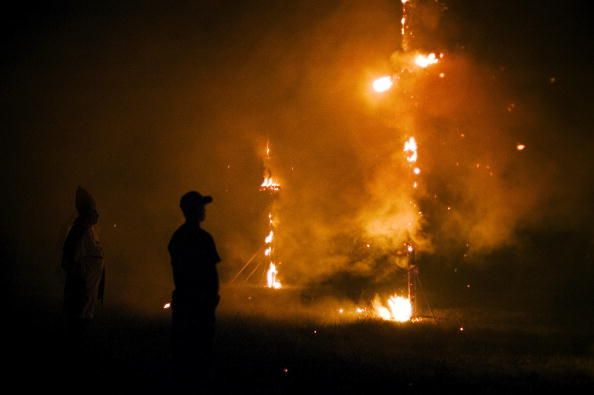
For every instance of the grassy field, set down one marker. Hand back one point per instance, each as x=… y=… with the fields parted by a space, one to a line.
x=313 y=348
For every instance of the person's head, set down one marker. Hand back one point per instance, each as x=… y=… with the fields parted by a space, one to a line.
x=90 y=217
x=193 y=204
x=86 y=207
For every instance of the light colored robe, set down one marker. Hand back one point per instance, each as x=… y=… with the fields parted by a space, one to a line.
x=89 y=260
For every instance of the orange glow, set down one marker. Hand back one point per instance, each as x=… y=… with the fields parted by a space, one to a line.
x=166 y=306
x=269 y=185
x=520 y=147
x=269 y=238
x=398 y=309
x=411 y=146
x=383 y=84
x=272 y=281
x=425 y=61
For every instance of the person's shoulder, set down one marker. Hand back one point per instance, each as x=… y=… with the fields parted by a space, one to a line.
x=204 y=233
x=179 y=233
x=179 y=229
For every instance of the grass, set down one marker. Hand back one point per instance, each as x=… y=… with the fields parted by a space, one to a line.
x=262 y=352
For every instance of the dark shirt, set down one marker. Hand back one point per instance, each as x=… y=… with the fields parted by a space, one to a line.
x=193 y=258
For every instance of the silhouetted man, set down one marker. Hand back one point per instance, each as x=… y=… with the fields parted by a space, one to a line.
x=193 y=259
x=82 y=261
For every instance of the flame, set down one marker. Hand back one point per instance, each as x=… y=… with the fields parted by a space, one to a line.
x=269 y=185
x=273 y=282
x=166 y=306
x=424 y=61
x=403 y=26
x=520 y=147
x=411 y=146
x=269 y=238
x=383 y=84
x=398 y=309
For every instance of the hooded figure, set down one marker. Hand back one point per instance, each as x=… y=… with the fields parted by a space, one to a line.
x=82 y=261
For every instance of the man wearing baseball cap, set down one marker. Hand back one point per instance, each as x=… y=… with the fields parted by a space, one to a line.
x=193 y=259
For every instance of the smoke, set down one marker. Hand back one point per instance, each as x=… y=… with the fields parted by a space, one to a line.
x=144 y=105
x=477 y=190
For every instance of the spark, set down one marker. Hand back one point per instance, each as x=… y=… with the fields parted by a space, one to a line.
x=520 y=147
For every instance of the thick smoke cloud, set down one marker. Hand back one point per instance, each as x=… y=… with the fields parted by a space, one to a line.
x=140 y=106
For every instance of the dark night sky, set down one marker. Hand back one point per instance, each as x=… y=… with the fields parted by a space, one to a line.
x=140 y=103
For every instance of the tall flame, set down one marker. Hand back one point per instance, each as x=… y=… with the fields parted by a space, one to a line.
x=403 y=24
x=271 y=276
x=272 y=281
x=270 y=185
